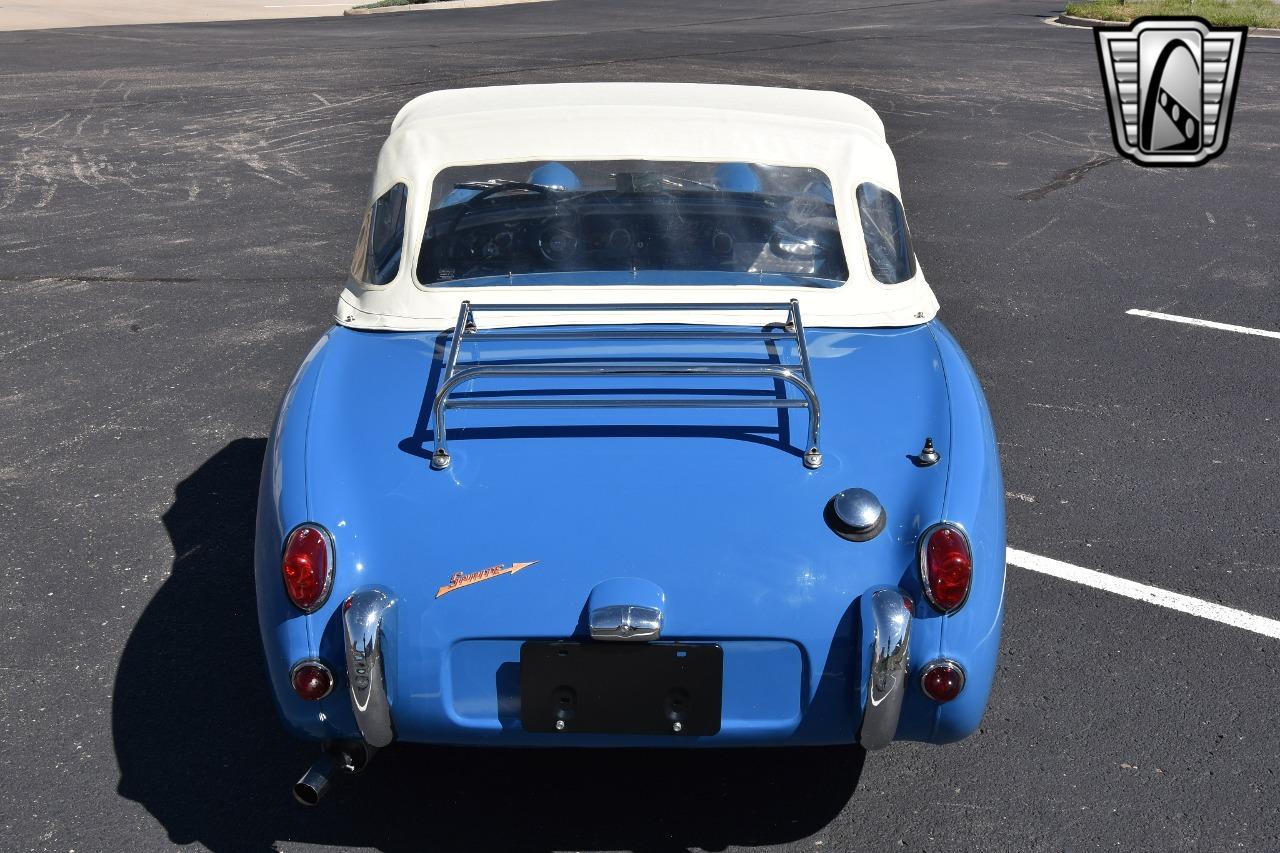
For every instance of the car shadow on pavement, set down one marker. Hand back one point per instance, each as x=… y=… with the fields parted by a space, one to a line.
x=199 y=745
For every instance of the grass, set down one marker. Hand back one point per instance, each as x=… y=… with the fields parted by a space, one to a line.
x=1235 y=13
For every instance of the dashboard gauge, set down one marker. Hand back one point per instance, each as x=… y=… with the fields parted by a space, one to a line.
x=557 y=243
x=620 y=241
x=498 y=245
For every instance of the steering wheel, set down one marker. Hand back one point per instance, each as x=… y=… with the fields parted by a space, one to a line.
x=466 y=206
x=557 y=240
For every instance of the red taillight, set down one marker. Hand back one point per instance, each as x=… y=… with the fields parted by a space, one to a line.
x=942 y=680
x=306 y=566
x=946 y=567
x=311 y=679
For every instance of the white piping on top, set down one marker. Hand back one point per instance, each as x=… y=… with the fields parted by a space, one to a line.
x=836 y=133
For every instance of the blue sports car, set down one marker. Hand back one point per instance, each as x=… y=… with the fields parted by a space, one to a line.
x=637 y=428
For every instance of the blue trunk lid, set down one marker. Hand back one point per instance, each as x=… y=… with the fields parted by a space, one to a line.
x=713 y=506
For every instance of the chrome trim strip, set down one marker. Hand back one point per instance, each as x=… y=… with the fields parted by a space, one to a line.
x=812 y=454
x=638 y=335
x=934 y=664
x=618 y=307
x=887 y=615
x=367 y=617
x=798 y=375
x=464 y=325
x=796 y=327
x=630 y=622
x=924 y=574
x=655 y=403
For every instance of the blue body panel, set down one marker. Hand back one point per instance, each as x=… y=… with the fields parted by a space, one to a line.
x=713 y=507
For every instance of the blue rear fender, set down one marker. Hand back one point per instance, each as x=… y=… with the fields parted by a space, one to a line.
x=974 y=500
x=288 y=635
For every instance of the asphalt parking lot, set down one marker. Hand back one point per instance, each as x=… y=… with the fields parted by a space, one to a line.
x=177 y=209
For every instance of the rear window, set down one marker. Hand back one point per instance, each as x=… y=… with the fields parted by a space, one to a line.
x=884 y=228
x=631 y=221
x=381 y=242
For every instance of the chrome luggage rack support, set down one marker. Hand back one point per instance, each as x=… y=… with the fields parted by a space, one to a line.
x=798 y=375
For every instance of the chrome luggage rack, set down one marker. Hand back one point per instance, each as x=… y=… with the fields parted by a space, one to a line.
x=799 y=375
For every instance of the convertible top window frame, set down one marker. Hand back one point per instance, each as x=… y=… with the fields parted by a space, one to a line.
x=885 y=235
x=427 y=194
x=364 y=267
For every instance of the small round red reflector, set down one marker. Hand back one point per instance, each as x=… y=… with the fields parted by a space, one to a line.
x=306 y=569
x=942 y=681
x=948 y=568
x=312 y=680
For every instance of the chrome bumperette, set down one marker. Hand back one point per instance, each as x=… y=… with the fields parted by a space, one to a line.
x=367 y=616
x=626 y=622
x=798 y=376
x=886 y=617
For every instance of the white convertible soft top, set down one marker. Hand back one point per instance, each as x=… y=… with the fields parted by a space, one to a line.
x=836 y=133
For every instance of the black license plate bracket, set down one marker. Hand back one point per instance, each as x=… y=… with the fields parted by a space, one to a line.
x=621 y=688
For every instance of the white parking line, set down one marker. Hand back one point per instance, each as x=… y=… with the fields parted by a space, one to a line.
x=1142 y=592
x=1208 y=324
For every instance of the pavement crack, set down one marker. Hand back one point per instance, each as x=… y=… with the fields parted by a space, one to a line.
x=98 y=279
x=1067 y=177
x=128 y=279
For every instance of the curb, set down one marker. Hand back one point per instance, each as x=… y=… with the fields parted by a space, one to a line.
x=1093 y=23
x=441 y=5
x=1072 y=21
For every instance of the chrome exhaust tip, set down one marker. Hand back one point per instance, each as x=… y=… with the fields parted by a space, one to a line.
x=347 y=756
x=314 y=784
